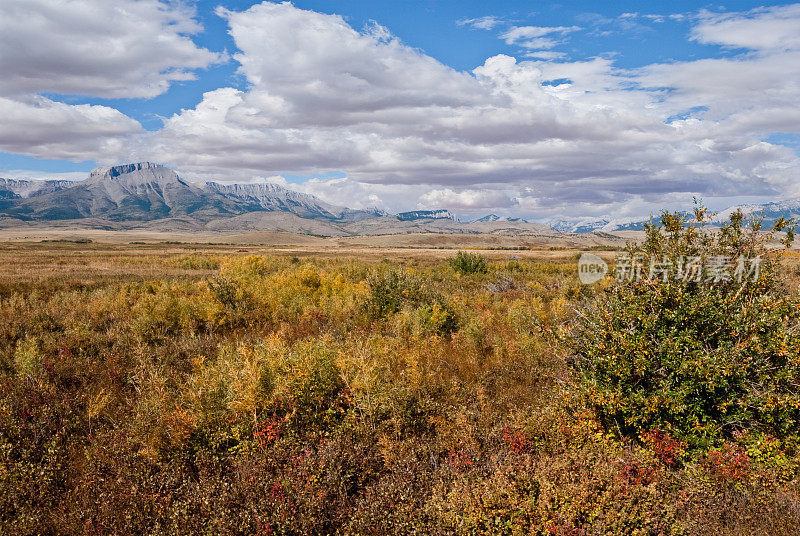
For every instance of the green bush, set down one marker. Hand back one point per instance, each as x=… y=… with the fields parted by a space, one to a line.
x=27 y=357
x=437 y=317
x=701 y=360
x=390 y=290
x=469 y=263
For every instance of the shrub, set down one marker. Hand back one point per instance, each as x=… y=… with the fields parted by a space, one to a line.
x=235 y=299
x=469 y=263
x=259 y=400
x=697 y=359
x=27 y=357
x=256 y=387
x=437 y=317
x=197 y=262
x=262 y=291
x=390 y=290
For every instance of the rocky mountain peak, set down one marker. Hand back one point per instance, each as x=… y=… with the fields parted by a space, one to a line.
x=139 y=171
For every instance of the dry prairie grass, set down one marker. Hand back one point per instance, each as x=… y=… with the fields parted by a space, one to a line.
x=232 y=389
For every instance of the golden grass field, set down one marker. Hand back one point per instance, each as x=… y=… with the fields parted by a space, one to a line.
x=155 y=384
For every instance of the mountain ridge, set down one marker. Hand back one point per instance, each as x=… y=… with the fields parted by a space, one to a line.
x=145 y=191
x=24 y=188
x=768 y=212
x=146 y=194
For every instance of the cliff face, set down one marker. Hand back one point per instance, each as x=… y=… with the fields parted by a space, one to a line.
x=145 y=191
x=148 y=195
x=426 y=215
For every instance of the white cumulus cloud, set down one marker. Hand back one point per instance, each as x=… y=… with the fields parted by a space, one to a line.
x=539 y=135
x=323 y=96
x=106 y=48
x=764 y=29
x=98 y=48
x=40 y=127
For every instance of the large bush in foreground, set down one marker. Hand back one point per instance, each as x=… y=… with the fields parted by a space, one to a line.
x=700 y=354
x=469 y=263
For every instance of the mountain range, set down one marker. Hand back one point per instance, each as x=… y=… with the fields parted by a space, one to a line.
x=769 y=213
x=495 y=217
x=151 y=196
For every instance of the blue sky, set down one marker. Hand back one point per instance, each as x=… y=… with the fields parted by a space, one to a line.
x=586 y=58
x=433 y=26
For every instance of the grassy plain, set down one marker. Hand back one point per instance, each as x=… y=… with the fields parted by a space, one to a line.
x=347 y=388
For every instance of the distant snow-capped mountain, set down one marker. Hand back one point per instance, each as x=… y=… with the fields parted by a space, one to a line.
x=590 y=225
x=580 y=225
x=24 y=188
x=768 y=212
x=495 y=218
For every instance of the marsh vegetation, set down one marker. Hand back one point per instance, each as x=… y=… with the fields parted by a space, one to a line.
x=165 y=390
